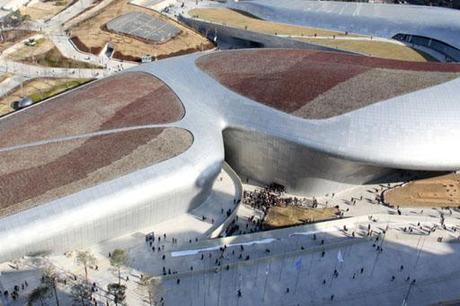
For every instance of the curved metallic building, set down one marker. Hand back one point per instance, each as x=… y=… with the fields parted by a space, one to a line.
x=138 y=148
x=432 y=27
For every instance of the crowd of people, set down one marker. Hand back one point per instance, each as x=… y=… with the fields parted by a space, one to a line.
x=262 y=200
x=274 y=195
x=16 y=289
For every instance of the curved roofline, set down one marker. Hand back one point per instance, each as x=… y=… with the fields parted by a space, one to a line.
x=360 y=18
x=327 y=135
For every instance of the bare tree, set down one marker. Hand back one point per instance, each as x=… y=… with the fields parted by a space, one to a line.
x=86 y=259
x=81 y=293
x=154 y=288
x=118 y=291
x=39 y=294
x=117 y=260
x=50 y=280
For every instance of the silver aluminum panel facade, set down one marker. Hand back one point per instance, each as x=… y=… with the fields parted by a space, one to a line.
x=416 y=131
x=374 y=19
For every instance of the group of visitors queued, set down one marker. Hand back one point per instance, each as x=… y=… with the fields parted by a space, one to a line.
x=273 y=195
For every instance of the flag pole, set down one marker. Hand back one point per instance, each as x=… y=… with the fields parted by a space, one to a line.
x=297 y=277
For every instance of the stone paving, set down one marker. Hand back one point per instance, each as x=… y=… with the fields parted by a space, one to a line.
x=266 y=282
x=278 y=267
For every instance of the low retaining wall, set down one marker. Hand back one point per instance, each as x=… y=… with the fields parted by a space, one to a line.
x=241 y=38
x=239 y=196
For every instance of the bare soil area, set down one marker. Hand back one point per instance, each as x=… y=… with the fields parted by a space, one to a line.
x=44 y=53
x=44 y=10
x=283 y=216
x=10 y=38
x=91 y=35
x=441 y=191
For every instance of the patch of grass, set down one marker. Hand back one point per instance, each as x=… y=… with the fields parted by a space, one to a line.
x=56 y=89
x=37 y=90
x=54 y=58
x=40 y=41
x=9 y=38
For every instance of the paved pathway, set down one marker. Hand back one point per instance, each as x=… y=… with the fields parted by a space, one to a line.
x=296 y=263
x=35 y=71
x=54 y=30
x=11 y=83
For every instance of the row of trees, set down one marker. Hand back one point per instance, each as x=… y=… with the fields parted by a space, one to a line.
x=81 y=290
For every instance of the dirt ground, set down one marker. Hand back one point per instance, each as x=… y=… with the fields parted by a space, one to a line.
x=44 y=53
x=54 y=58
x=4 y=76
x=374 y=48
x=234 y=19
x=42 y=45
x=37 y=90
x=441 y=191
x=91 y=34
x=293 y=215
x=10 y=38
x=39 y=10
